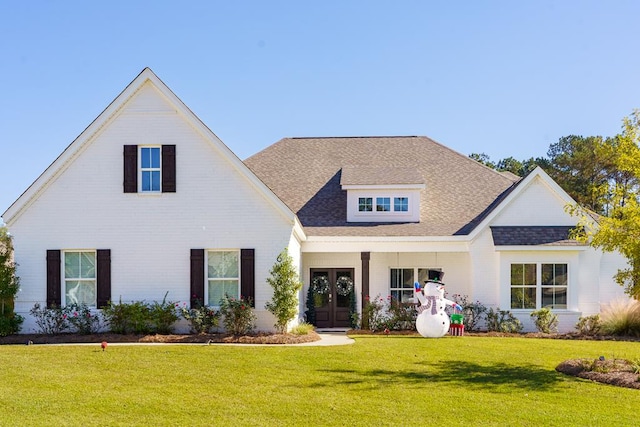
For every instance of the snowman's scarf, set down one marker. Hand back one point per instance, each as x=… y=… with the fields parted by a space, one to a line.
x=430 y=303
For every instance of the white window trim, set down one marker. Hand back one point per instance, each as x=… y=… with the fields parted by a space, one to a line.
x=538 y=286
x=141 y=169
x=208 y=280
x=63 y=291
x=415 y=277
x=374 y=202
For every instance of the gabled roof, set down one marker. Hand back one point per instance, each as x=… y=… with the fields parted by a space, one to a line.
x=306 y=174
x=532 y=235
x=89 y=134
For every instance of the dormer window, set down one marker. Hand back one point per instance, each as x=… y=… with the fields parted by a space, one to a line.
x=382 y=194
x=383 y=204
x=401 y=204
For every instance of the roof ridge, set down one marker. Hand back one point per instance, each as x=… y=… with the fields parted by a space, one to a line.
x=354 y=137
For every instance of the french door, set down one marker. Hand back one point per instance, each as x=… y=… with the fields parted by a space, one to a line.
x=332 y=301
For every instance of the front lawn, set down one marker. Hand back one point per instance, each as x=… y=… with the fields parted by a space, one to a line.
x=395 y=380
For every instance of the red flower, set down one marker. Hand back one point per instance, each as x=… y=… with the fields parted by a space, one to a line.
x=75 y=314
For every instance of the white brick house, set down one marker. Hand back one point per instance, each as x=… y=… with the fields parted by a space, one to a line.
x=147 y=200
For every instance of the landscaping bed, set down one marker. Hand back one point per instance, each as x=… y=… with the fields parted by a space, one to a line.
x=258 y=338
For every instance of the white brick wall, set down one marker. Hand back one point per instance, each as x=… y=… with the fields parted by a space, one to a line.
x=150 y=236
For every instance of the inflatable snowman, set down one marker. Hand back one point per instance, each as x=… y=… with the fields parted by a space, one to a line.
x=432 y=320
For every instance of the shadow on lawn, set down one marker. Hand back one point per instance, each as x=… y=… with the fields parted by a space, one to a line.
x=499 y=376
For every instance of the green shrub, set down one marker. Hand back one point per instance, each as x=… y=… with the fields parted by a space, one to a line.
x=373 y=314
x=139 y=317
x=400 y=316
x=310 y=314
x=589 y=325
x=474 y=312
x=51 y=320
x=9 y=286
x=163 y=316
x=81 y=319
x=238 y=317
x=502 y=321
x=10 y=324
x=202 y=319
x=545 y=321
x=286 y=285
x=621 y=317
x=302 y=328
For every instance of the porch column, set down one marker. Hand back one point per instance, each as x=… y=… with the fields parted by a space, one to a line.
x=365 y=257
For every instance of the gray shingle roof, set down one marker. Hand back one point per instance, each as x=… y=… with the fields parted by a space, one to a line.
x=532 y=235
x=368 y=175
x=305 y=173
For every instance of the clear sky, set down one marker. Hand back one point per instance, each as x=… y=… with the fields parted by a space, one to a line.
x=507 y=78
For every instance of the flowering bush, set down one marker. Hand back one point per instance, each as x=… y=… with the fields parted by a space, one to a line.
x=237 y=314
x=202 y=319
x=373 y=314
x=81 y=320
x=50 y=320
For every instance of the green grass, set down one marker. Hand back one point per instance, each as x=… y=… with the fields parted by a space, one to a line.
x=395 y=380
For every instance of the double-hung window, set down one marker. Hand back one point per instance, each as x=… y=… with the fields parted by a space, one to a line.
x=80 y=278
x=150 y=169
x=223 y=276
x=538 y=285
x=401 y=283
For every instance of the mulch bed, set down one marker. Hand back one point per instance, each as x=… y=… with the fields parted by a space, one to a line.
x=258 y=338
x=617 y=372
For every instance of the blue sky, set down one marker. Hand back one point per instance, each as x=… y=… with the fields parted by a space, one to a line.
x=507 y=78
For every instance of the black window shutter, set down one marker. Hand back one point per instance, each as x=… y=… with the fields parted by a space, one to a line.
x=54 y=275
x=130 y=169
x=103 y=277
x=248 y=275
x=168 y=168
x=197 y=278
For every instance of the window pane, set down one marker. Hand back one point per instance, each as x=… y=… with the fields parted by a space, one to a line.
x=365 y=204
x=219 y=288
x=554 y=297
x=87 y=265
x=72 y=265
x=529 y=274
x=155 y=181
x=401 y=278
x=222 y=264
x=383 y=204
x=401 y=204
x=407 y=278
x=146 y=181
x=155 y=157
x=80 y=292
x=523 y=298
x=423 y=275
x=407 y=296
x=145 y=157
